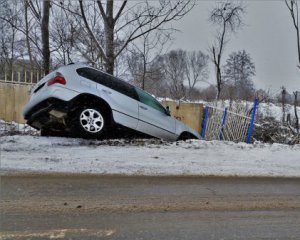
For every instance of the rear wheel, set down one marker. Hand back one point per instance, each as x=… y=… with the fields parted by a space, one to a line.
x=89 y=122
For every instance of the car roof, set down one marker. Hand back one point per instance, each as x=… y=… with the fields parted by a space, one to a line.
x=81 y=65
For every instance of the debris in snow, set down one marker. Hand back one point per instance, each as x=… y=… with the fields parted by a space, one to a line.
x=13 y=128
x=275 y=132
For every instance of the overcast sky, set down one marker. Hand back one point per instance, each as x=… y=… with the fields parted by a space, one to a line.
x=268 y=36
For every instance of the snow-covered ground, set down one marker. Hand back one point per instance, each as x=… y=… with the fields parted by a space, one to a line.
x=148 y=157
x=12 y=128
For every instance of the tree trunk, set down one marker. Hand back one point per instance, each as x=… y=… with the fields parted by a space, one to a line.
x=295 y=109
x=27 y=37
x=109 y=26
x=45 y=36
x=283 y=94
x=219 y=82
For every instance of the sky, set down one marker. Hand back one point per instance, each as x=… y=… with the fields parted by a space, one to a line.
x=268 y=35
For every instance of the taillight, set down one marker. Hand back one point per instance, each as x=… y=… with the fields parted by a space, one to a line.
x=57 y=79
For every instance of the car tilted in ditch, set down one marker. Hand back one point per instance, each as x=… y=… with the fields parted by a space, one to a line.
x=78 y=100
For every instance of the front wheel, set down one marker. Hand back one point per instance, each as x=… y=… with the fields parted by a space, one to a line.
x=89 y=122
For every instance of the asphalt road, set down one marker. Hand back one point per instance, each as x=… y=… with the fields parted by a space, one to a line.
x=115 y=207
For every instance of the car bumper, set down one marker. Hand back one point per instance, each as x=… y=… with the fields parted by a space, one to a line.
x=40 y=114
x=56 y=92
x=37 y=110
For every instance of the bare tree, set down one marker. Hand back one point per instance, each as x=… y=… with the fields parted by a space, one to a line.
x=174 y=66
x=292 y=5
x=238 y=72
x=209 y=93
x=45 y=35
x=228 y=18
x=9 y=38
x=196 y=69
x=263 y=95
x=125 y=22
x=40 y=14
x=28 y=44
x=148 y=48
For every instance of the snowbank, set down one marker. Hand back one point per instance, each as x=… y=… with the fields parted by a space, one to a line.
x=275 y=110
x=148 y=157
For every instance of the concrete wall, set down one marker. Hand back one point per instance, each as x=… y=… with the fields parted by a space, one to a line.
x=13 y=98
x=189 y=113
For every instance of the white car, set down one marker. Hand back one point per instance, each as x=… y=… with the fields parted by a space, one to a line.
x=82 y=101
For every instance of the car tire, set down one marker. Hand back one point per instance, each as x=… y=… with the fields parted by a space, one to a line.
x=89 y=122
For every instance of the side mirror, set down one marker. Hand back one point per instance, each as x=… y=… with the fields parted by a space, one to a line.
x=168 y=112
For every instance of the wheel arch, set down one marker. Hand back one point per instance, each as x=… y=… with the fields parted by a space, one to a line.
x=86 y=99
x=185 y=136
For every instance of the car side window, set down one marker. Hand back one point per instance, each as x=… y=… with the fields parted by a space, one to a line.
x=108 y=81
x=149 y=100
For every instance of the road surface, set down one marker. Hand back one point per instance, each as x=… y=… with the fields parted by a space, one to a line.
x=117 y=207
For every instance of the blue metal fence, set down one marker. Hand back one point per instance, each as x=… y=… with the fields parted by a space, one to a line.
x=229 y=124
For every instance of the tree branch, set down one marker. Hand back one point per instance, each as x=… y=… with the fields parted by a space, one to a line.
x=120 y=11
x=90 y=31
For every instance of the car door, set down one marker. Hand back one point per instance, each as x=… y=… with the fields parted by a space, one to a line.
x=121 y=96
x=153 y=118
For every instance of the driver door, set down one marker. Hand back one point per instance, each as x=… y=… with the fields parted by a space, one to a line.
x=153 y=118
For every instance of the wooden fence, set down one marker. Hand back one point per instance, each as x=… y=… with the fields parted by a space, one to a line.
x=23 y=77
x=13 y=98
x=189 y=113
x=15 y=92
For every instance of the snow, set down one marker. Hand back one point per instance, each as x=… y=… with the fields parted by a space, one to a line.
x=275 y=110
x=11 y=128
x=148 y=157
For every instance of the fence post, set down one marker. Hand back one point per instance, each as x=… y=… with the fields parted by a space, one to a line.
x=252 y=121
x=203 y=131
x=223 y=123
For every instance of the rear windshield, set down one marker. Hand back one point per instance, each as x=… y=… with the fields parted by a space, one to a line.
x=108 y=81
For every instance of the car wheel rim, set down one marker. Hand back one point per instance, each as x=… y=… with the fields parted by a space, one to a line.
x=91 y=120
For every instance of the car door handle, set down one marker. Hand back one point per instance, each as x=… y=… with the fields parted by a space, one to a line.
x=106 y=91
x=144 y=108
